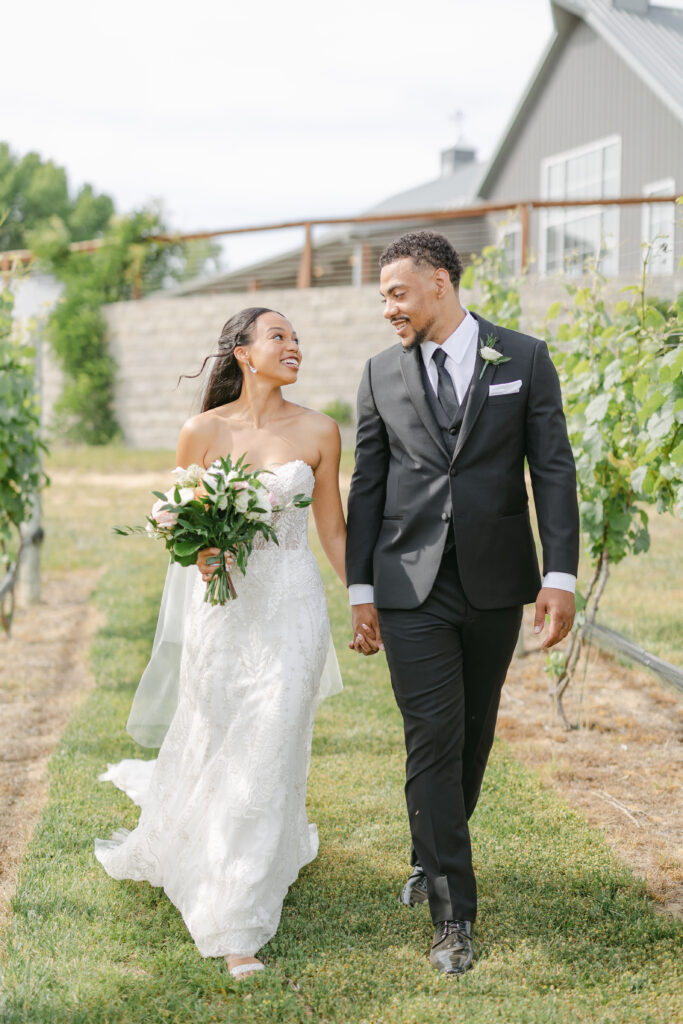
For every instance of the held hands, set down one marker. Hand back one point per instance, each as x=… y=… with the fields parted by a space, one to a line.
x=559 y=605
x=367 y=638
x=207 y=560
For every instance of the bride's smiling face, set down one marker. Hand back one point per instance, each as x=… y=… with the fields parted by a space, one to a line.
x=273 y=351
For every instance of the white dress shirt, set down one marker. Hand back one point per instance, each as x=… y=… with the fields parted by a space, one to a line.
x=461 y=354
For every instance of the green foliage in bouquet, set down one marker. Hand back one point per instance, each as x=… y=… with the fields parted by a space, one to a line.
x=222 y=507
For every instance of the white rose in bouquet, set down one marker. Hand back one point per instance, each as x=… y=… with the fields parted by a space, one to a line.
x=265 y=503
x=241 y=497
x=218 y=480
x=186 y=495
x=190 y=477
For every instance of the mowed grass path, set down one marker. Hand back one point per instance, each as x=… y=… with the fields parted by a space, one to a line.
x=564 y=934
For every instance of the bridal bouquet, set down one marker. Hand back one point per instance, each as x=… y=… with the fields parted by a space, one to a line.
x=222 y=507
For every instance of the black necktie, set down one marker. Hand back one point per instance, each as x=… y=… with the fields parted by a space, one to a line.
x=445 y=391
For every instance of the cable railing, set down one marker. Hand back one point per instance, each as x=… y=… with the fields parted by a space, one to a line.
x=545 y=236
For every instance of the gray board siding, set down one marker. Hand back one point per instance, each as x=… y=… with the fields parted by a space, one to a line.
x=589 y=93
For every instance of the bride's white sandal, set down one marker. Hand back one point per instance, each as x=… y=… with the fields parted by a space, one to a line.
x=244 y=969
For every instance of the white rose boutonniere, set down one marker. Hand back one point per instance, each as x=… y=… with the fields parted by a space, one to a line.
x=490 y=355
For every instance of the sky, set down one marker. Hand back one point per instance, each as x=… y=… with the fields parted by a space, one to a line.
x=255 y=112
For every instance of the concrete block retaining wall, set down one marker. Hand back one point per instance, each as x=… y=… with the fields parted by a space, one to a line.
x=156 y=340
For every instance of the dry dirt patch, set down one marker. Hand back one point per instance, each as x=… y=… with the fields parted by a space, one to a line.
x=44 y=673
x=623 y=768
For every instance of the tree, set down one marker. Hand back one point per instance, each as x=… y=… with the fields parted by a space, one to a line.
x=33 y=191
x=126 y=266
x=38 y=212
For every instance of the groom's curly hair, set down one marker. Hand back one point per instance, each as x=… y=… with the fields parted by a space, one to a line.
x=425 y=247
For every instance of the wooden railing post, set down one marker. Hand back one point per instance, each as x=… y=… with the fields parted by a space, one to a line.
x=525 y=212
x=305 y=276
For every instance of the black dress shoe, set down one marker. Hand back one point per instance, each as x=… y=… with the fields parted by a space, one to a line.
x=452 y=949
x=414 y=891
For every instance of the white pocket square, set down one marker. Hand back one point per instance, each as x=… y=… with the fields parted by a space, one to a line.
x=510 y=388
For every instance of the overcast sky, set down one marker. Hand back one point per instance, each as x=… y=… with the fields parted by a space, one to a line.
x=240 y=113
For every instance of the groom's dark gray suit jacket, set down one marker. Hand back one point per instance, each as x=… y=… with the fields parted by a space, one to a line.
x=415 y=476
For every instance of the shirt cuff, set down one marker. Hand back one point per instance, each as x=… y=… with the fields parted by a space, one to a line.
x=361 y=593
x=560 y=581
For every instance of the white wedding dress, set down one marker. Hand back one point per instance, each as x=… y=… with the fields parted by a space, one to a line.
x=223 y=825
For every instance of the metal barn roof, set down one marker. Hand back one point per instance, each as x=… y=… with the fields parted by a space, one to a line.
x=650 y=42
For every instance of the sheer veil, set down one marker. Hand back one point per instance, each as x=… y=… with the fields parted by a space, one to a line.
x=156 y=697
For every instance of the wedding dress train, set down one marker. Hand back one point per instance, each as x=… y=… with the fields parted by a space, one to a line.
x=223 y=825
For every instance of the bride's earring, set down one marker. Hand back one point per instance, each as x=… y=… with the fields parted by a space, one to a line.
x=252 y=368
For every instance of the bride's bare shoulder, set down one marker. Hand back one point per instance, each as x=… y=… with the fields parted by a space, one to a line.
x=319 y=423
x=197 y=434
x=201 y=425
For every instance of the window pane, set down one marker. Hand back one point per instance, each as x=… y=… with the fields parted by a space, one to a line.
x=659 y=232
x=573 y=236
x=581 y=242
x=554 y=249
x=608 y=262
x=555 y=181
x=610 y=173
x=574 y=178
x=512 y=251
x=584 y=175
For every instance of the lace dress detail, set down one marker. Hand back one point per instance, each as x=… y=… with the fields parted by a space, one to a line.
x=223 y=825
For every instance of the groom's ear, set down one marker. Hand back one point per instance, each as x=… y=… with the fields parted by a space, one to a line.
x=442 y=282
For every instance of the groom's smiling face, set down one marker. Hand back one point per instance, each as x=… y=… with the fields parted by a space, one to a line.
x=410 y=294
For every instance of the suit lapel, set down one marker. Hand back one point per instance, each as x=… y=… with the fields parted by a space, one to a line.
x=410 y=368
x=479 y=388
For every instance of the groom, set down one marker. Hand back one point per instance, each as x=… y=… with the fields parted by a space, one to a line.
x=440 y=554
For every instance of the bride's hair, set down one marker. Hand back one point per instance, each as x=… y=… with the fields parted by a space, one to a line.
x=225 y=381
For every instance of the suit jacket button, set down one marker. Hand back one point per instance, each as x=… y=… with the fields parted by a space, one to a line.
x=454 y=472
x=445 y=516
x=452 y=430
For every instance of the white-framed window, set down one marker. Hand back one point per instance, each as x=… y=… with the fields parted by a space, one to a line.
x=570 y=236
x=658 y=222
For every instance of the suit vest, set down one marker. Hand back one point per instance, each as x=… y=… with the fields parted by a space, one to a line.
x=449 y=428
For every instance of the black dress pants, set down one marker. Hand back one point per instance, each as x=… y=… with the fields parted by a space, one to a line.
x=448 y=663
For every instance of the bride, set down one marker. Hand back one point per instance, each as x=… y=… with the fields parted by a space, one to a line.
x=223 y=824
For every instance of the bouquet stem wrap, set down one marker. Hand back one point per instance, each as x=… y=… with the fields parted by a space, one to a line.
x=220 y=589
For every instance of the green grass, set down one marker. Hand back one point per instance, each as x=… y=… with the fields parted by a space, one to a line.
x=111 y=458
x=644 y=595
x=565 y=933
